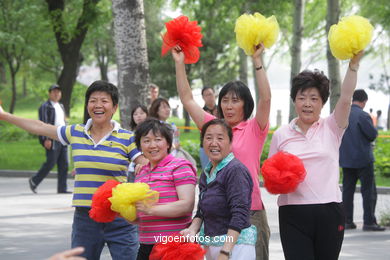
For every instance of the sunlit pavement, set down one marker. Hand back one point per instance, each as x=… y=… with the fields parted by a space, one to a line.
x=35 y=226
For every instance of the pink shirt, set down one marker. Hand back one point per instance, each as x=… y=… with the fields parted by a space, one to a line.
x=248 y=142
x=164 y=178
x=319 y=151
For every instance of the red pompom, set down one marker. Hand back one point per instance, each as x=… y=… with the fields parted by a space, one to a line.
x=186 y=34
x=101 y=206
x=282 y=173
x=178 y=250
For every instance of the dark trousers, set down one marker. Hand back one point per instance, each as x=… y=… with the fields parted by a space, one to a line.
x=312 y=232
x=367 y=189
x=57 y=155
x=144 y=251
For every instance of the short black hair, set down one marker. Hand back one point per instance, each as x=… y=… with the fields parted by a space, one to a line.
x=133 y=125
x=206 y=88
x=242 y=92
x=100 y=86
x=360 y=95
x=310 y=79
x=216 y=121
x=157 y=127
x=154 y=107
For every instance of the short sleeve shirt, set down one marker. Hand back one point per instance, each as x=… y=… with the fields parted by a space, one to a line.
x=319 y=152
x=164 y=178
x=97 y=163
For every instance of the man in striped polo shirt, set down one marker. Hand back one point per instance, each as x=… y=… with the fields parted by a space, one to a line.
x=101 y=151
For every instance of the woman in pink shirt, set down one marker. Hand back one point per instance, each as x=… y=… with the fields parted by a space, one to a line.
x=235 y=105
x=174 y=179
x=311 y=219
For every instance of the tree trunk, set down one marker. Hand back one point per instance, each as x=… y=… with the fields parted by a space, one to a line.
x=24 y=86
x=13 y=97
x=131 y=55
x=102 y=55
x=187 y=120
x=332 y=17
x=13 y=65
x=296 y=47
x=243 y=66
x=69 y=45
x=3 y=77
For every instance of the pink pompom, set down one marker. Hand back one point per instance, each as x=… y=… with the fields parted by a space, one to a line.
x=282 y=173
x=101 y=206
x=186 y=34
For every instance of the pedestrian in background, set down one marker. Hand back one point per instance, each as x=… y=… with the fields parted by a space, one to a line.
x=138 y=114
x=154 y=92
x=52 y=112
x=380 y=121
x=357 y=161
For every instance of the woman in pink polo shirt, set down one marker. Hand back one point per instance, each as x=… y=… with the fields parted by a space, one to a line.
x=174 y=179
x=235 y=105
x=311 y=219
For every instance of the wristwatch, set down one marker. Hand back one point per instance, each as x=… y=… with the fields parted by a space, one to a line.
x=228 y=254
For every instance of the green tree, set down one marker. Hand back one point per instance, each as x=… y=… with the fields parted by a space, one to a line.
x=17 y=38
x=99 y=47
x=378 y=13
x=332 y=17
x=70 y=23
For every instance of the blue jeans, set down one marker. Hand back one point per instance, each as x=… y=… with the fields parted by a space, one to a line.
x=120 y=236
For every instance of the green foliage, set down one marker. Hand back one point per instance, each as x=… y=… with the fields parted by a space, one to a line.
x=12 y=133
x=382 y=156
x=191 y=143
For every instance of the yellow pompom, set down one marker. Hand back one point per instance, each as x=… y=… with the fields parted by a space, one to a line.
x=125 y=195
x=251 y=30
x=351 y=35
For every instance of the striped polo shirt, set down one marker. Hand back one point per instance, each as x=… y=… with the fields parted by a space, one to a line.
x=96 y=163
x=164 y=178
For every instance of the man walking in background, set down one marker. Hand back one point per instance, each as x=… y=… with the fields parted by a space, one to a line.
x=357 y=161
x=52 y=112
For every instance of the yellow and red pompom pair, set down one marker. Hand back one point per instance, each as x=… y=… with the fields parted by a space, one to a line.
x=114 y=198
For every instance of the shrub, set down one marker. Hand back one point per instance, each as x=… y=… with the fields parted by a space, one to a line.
x=382 y=156
x=12 y=133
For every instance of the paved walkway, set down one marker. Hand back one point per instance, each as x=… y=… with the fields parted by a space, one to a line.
x=34 y=226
